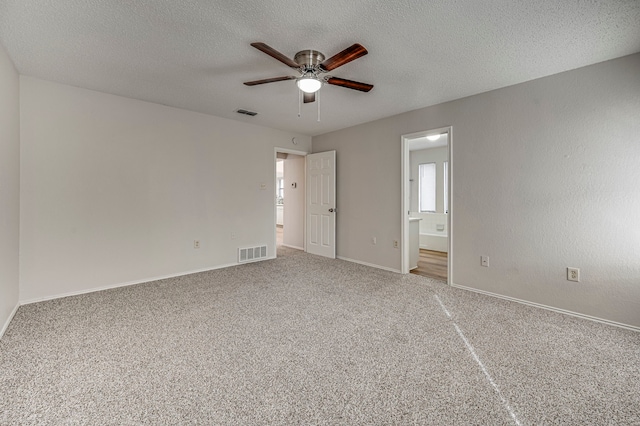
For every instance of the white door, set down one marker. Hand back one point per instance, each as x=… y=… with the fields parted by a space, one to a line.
x=321 y=204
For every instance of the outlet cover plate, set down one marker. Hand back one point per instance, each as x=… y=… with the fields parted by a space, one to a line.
x=573 y=274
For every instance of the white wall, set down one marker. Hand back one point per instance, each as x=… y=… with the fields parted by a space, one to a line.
x=9 y=188
x=279 y=207
x=294 y=202
x=545 y=175
x=115 y=190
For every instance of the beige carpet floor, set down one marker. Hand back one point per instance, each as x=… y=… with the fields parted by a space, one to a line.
x=307 y=340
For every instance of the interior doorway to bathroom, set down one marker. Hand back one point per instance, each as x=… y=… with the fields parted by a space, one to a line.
x=426 y=206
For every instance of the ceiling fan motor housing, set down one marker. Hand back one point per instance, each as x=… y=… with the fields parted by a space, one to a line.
x=309 y=59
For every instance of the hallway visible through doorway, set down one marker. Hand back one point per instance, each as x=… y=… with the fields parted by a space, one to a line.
x=279 y=235
x=289 y=199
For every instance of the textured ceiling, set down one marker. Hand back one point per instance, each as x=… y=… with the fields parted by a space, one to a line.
x=195 y=54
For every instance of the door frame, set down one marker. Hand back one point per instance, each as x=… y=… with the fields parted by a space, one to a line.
x=304 y=154
x=406 y=207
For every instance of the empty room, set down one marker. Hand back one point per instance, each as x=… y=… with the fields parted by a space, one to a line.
x=210 y=212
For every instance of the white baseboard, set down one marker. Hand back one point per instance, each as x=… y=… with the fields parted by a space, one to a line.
x=128 y=283
x=293 y=247
x=8 y=321
x=550 y=308
x=397 y=271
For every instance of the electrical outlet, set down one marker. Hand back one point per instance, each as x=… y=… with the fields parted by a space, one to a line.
x=395 y=243
x=374 y=240
x=573 y=274
x=233 y=235
x=196 y=244
x=484 y=261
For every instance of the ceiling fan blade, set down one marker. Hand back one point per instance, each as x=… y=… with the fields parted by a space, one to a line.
x=347 y=55
x=309 y=97
x=275 y=54
x=269 y=80
x=349 y=84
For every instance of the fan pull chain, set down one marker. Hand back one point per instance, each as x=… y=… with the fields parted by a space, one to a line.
x=318 y=99
x=299 y=103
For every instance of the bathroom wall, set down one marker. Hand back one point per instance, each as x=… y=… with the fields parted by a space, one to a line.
x=430 y=155
x=431 y=237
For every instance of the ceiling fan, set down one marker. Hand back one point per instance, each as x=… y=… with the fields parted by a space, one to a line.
x=311 y=64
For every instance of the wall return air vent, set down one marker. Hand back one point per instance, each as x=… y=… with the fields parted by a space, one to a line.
x=251 y=254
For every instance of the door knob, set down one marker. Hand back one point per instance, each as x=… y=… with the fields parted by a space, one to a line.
x=331 y=210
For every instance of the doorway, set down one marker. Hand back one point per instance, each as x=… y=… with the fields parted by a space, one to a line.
x=289 y=200
x=426 y=203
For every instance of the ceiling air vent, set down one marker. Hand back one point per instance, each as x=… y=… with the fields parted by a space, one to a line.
x=245 y=112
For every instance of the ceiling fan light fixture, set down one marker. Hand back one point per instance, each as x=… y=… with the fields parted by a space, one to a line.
x=309 y=84
x=311 y=64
